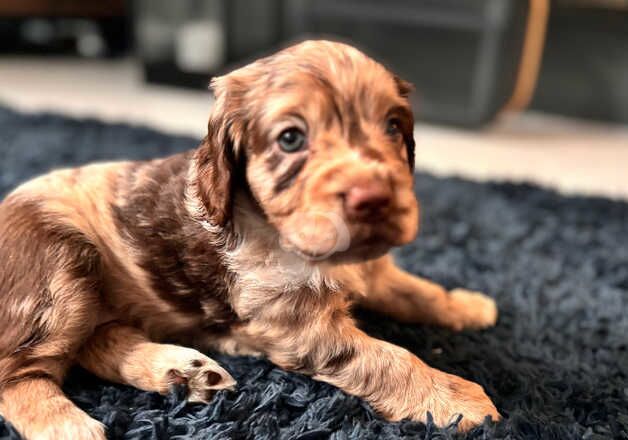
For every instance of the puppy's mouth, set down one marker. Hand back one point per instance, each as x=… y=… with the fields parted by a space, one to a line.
x=316 y=235
x=303 y=253
x=327 y=236
x=367 y=249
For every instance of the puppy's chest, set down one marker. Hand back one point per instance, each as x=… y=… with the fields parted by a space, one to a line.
x=270 y=281
x=194 y=287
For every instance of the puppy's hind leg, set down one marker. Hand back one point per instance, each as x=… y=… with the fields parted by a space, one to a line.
x=124 y=354
x=38 y=409
x=49 y=297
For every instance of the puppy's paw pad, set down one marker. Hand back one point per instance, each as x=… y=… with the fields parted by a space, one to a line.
x=203 y=378
x=477 y=309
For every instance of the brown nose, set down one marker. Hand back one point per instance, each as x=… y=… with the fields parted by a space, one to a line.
x=367 y=202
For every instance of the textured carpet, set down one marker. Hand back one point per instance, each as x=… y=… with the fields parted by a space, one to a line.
x=555 y=365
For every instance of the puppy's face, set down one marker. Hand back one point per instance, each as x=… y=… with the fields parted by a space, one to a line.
x=326 y=137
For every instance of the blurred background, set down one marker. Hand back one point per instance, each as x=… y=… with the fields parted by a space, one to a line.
x=532 y=90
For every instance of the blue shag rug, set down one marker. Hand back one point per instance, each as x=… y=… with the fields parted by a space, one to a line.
x=556 y=364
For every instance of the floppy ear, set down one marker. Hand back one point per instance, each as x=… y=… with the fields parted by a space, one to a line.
x=409 y=141
x=404 y=88
x=216 y=156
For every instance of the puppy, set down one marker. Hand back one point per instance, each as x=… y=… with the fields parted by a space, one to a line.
x=257 y=242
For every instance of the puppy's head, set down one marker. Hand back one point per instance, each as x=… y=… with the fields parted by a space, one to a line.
x=322 y=135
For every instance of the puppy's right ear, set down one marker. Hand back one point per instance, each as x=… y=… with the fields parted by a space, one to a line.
x=403 y=87
x=216 y=156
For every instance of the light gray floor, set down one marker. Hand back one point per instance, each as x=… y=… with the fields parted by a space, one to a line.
x=573 y=156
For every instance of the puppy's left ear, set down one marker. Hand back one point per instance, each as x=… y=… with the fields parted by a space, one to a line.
x=405 y=88
x=216 y=156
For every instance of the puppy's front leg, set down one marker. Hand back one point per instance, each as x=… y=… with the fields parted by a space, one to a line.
x=124 y=354
x=409 y=298
x=328 y=346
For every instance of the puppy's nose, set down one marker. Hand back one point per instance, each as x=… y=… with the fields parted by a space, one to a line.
x=367 y=202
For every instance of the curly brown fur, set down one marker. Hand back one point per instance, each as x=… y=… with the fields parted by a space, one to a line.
x=238 y=245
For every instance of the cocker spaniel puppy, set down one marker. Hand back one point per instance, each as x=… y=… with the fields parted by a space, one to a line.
x=258 y=241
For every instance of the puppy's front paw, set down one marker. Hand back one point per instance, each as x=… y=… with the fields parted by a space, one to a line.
x=202 y=375
x=473 y=310
x=455 y=396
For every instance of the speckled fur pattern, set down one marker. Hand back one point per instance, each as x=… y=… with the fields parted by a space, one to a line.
x=556 y=364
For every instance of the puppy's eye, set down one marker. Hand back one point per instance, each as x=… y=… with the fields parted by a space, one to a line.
x=291 y=140
x=393 y=127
